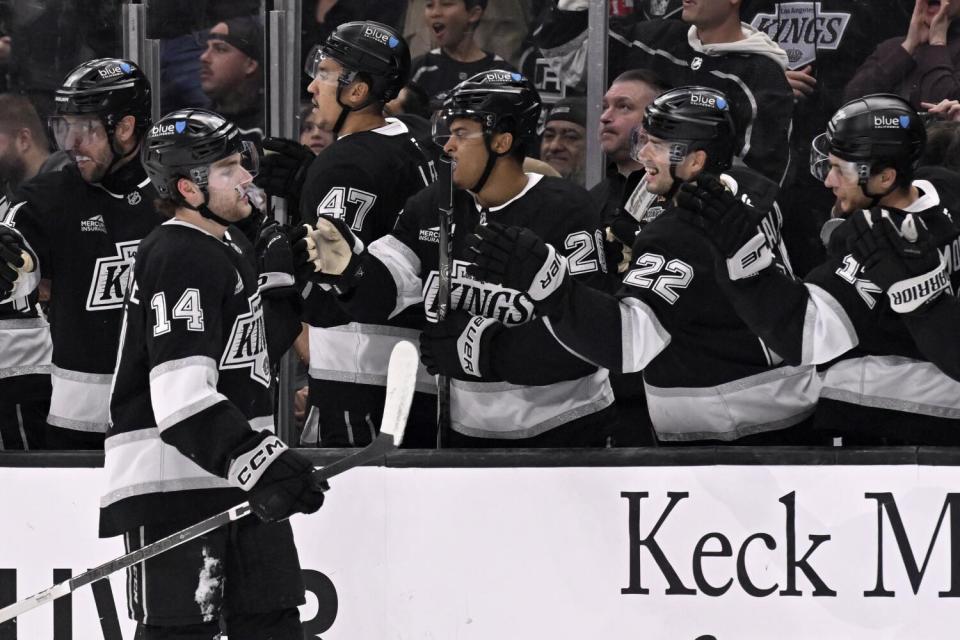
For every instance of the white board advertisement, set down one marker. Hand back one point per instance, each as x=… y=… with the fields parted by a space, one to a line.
x=611 y=553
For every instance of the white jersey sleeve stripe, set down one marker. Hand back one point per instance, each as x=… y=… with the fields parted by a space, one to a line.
x=404 y=266
x=827 y=329
x=641 y=335
x=182 y=388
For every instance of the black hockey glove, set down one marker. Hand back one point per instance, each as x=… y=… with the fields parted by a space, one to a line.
x=283 y=169
x=459 y=346
x=903 y=262
x=518 y=259
x=730 y=225
x=278 y=480
x=329 y=254
x=12 y=263
x=275 y=261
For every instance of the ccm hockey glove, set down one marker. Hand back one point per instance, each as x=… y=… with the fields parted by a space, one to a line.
x=903 y=262
x=14 y=262
x=518 y=259
x=278 y=480
x=729 y=224
x=283 y=169
x=459 y=346
x=329 y=254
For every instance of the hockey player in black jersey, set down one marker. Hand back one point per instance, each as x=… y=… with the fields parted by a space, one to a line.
x=878 y=387
x=706 y=376
x=81 y=227
x=512 y=384
x=362 y=178
x=192 y=428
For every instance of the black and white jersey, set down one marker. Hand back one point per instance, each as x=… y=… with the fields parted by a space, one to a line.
x=875 y=378
x=192 y=379
x=436 y=72
x=84 y=237
x=363 y=178
x=535 y=384
x=706 y=375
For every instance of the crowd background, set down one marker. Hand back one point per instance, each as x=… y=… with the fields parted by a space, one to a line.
x=817 y=55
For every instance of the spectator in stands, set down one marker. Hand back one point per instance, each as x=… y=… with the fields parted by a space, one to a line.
x=412 y=99
x=710 y=47
x=311 y=133
x=564 y=142
x=231 y=73
x=945 y=109
x=923 y=66
x=452 y=24
x=943 y=145
x=25 y=345
x=826 y=41
x=24 y=147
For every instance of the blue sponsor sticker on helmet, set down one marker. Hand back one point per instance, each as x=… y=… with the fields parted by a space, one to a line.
x=721 y=104
x=180 y=126
x=516 y=77
x=393 y=42
x=904 y=122
x=126 y=68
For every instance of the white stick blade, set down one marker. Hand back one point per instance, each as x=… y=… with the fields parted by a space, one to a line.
x=401 y=382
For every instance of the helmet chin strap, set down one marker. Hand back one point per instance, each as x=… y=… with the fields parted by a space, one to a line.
x=116 y=152
x=492 y=157
x=674 y=185
x=203 y=209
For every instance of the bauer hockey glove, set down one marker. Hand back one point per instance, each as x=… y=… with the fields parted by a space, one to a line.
x=730 y=225
x=278 y=480
x=328 y=254
x=275 y=266
x=518 y=259
x=459 y=346
x=902 y=261
x=283 y=169
x=15 y=263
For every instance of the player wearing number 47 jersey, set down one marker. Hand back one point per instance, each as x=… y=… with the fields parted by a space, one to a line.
x=192 y=430
x=707 y=377
x=511 y=383
x=81 y=226
x=363 y=178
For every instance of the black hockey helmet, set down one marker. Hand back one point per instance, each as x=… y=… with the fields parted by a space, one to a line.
x=110 y=88
x=693 y=119
x=501 y=101
x=184 y=143
x=374 y=51
x=878 y=129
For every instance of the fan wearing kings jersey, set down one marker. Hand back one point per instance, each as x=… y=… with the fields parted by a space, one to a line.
x=80 y=227
x=706 y=375
x=853 y=315
x=511 y=383
x=192 y=431
x=363 y=178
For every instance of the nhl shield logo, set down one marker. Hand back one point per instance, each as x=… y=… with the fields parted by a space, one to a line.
x=134 y=198
x=696 y=63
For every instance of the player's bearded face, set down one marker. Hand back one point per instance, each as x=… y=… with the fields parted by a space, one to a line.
x=227 y=186
x=655 y=156
x=12 y=166
x=842 y=179
x=85 y=140
x=323 y=89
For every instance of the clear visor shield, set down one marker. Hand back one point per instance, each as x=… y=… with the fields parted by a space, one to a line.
x=461 y=126
x=236 y=170
x=70 y=132
x=670 y=152
x=638 y=138
x=313 y=68
x=821 y=163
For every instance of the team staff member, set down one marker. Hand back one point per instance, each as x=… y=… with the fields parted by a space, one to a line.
x=706 y=375
x=878 y=388
x=511 y=383
x=363 y=178
x=81 y=227
x=192 y=429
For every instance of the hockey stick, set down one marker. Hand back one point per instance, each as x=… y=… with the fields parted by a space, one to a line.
x=401 y=381
x=445 y=178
